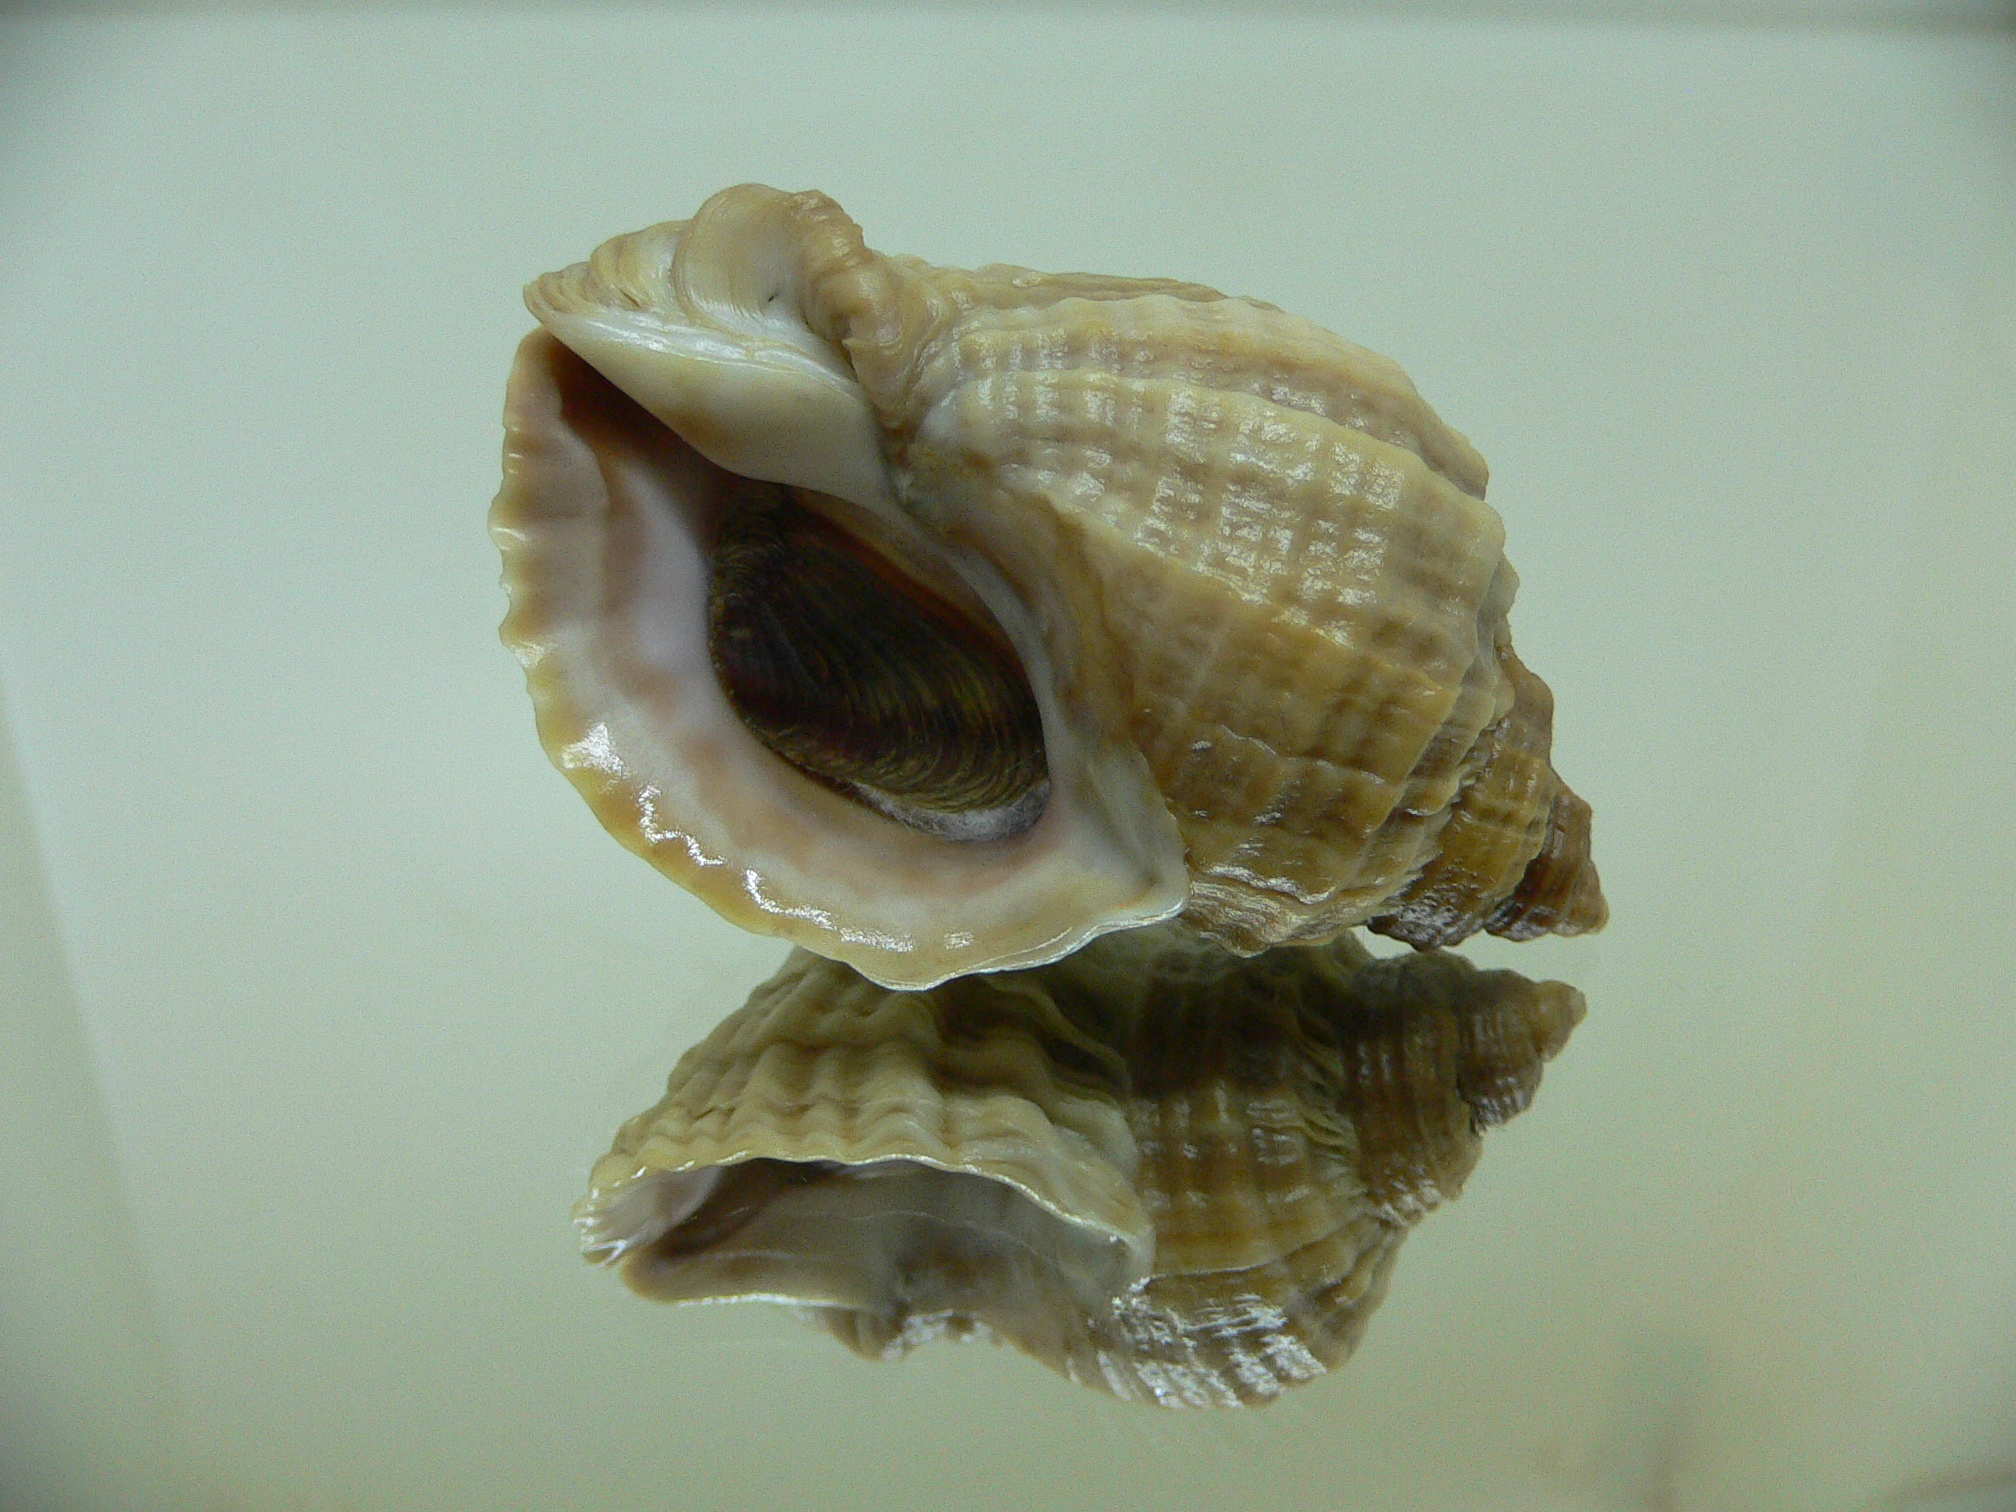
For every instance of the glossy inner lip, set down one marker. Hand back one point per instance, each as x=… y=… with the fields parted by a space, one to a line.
x=869 y=681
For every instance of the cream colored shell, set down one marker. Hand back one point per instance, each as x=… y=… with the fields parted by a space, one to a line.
x=1247 y=571
x=1172 y=1174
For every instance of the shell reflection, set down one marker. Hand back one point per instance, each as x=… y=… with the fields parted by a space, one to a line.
x=1161 y=1169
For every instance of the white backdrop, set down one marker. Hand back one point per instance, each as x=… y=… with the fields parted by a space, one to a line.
x=327 y=988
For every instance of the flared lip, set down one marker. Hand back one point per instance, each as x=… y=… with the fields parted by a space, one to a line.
x=601 y=523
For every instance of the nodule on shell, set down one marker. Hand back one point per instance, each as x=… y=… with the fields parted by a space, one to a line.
x=942 y=621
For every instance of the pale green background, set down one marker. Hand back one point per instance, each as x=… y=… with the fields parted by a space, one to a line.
x=322 y=988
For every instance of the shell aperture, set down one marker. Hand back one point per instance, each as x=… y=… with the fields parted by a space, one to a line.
x=1170 y=1173
x=1226 y=578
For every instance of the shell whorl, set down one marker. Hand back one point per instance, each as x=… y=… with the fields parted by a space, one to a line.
x=1246 y=574
x=1167 y=1172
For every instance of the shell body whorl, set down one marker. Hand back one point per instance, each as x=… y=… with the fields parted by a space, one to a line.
x=1173 y=1174
x=1248 y=574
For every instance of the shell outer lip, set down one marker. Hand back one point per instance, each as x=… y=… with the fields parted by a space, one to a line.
x=841 y=879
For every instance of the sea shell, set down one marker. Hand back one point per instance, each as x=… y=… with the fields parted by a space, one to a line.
x=1166 y=1171
x=940 y=621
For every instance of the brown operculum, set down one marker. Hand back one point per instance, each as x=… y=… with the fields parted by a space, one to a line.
x=865 y=679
